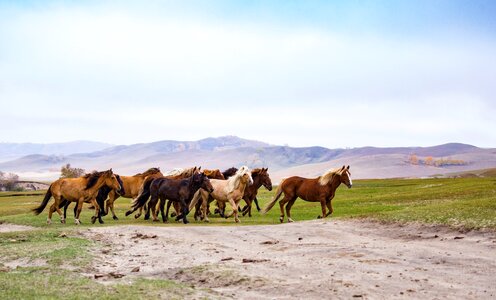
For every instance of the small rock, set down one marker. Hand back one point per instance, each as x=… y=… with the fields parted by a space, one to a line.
x=458 y=237
x=99 y=276
x=136 y=269
x=226 y=259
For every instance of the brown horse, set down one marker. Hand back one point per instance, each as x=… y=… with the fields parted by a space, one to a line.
x=213 y=174
x=144 y=192
x=78 y=190
x=321 y=189
x=131 y=185
x=260 y=177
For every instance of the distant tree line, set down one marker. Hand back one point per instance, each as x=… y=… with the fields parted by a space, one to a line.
x=440 y=162
x=8 y=182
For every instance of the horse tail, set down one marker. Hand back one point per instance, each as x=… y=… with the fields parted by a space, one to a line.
x=44 y=203
x=274 y=199
x=144 y=193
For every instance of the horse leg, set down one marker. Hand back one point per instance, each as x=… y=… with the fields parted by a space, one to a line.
x=329 y=207
x=162 y=206
x=140 y=212
x=97 y=212
x=50 y=212
x=284 y=200
x=323 y=205
x=204 y=207
x=288 y=209
x=167 y=211
x=79 y=208
x=247 y=208
x=57 y=208
x=235 y=210
x=185 y=210
x=256 y=203
x=152 y=204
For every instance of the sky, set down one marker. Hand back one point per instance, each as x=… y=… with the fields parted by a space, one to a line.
x=302 y=73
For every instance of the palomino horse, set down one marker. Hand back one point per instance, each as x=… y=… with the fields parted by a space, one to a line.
x=177 y=190
x=230 y=190
x=144 y=192
x=211 y=174
x=78 y=190
x=321 y=189
x=132 y=185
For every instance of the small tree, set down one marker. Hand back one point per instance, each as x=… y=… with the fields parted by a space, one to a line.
x=429 y=161
x=69 y=172
x=8 y=181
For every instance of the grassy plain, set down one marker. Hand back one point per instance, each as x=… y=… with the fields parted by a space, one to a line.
x=52 y=260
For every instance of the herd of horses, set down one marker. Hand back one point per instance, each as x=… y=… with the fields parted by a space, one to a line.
x=188 y=189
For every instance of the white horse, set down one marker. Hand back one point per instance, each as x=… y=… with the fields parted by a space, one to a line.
x=230 y=190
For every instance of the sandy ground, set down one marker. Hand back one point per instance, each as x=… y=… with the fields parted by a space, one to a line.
x=6 y=227
x=312 y=260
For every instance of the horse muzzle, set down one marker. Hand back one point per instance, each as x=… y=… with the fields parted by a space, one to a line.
x=349 y=186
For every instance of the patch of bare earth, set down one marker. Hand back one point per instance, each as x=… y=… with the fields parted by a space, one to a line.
x=313 y=260
x=6 y=227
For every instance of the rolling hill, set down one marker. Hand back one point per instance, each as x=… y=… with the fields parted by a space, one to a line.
x=224 y=152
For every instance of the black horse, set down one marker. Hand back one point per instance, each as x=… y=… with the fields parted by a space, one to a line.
x=100 y=199
x=174 y=190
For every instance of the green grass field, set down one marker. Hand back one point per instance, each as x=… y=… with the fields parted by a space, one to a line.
x=468 y=203
x=460 y=202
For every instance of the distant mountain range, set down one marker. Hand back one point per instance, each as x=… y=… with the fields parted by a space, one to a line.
x=35 y=161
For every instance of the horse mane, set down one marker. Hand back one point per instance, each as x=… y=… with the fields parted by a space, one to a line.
x=233 y=181
x=92 y=178
x=328 y=175
x=229 y=172
x=175 y=172
x=148 y=172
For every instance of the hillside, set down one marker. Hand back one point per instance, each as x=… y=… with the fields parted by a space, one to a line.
x=283 y=161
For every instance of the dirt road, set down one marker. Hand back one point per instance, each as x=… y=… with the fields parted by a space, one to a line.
x=312 y=260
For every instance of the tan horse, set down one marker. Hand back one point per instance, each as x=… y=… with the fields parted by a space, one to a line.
x=81 y=189
x=321 y=189
x=132 y=185
x=230 y=190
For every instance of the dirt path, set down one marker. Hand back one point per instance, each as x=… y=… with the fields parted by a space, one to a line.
x=7 y=227
x=312 y=260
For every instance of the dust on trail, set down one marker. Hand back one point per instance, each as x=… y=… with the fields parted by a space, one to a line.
x=312 y=259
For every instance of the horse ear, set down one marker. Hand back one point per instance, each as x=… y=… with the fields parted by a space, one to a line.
x=199 y=168
x=348 y=167
x=344 y=167
x=110 y=170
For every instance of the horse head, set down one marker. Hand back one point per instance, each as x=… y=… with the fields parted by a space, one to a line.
x=205 y=183
x=346 y=176
x=266 y=182
x=111 y=180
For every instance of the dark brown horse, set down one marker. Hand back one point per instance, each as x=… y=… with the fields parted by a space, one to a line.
x=321 y=189
x=260 y=177
x=197 y=181
x=144 y=192
x=80 y=190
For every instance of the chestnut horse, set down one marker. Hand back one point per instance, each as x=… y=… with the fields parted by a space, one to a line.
x=131 y=185
x=230 y=190
x=78 y=190
x=260 y=177
x=321 y=189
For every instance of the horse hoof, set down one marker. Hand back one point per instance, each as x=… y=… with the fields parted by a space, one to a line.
x=173 y=214
x=147 y=217
x=77 y=222
x=128 y=213
x=319 y=217
x=115 y=218
x=155 y=220
x=290 y=220
x=100 y=221
x=93 y=220
x=49 y=221
x=281 y=219
x=237 y=221
x=62 y=221
x=206 y=220
x=137 y=216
